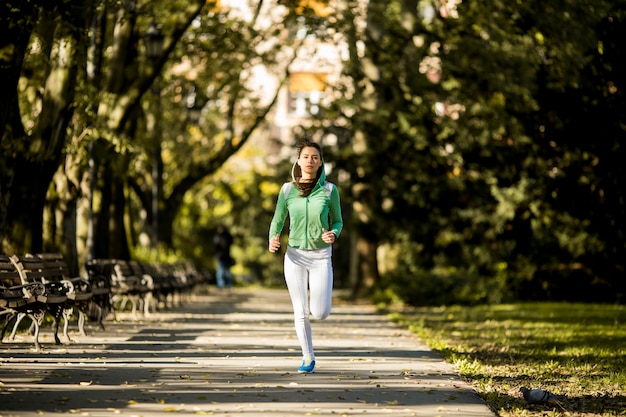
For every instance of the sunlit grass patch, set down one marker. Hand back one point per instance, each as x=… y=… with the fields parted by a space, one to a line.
x=573 y=349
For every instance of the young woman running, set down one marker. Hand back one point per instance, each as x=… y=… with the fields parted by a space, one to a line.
x=313 y=207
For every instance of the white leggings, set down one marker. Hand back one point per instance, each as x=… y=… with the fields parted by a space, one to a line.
x=312 y=269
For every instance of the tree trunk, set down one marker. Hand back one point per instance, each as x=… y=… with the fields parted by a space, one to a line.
x=369 y=264
x=25 y=209
x=110 y=230
x=166 y=225
x=38 y=158
x=364 y=270
x=69 y=237
x=17 y=25
x=119 y=240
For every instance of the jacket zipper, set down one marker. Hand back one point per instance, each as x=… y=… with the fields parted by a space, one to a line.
x=306 y=222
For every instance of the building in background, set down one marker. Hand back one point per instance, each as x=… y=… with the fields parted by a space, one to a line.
x=312 y=74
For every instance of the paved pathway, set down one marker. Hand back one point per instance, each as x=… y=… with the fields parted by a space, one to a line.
x=234 y=355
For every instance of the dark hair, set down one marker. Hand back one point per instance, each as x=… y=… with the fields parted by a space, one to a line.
x=308 y=143
x=306 y=187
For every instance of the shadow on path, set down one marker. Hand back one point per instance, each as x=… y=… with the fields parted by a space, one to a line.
x=234 y=354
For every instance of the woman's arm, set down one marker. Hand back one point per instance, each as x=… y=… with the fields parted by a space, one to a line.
x=280 y=215
x=336 y=219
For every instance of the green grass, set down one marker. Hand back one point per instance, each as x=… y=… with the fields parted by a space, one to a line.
x=577 y=350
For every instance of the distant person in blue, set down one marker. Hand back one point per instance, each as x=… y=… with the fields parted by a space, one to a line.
x=222 y=242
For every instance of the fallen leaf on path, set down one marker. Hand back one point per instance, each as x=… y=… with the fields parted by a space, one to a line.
x=170 y=409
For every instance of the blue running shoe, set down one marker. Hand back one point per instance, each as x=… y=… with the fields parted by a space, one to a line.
x=307 y=367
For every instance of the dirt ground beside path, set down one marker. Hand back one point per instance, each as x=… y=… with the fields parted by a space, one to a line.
x=234 y=354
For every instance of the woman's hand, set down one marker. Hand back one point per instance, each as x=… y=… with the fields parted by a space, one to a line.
x=328 y=236
x=274 y=243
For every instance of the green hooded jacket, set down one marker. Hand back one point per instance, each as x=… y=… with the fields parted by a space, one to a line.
x=308 y=215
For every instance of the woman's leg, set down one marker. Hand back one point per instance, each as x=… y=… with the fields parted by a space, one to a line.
x=296 y=277
x=321 y=286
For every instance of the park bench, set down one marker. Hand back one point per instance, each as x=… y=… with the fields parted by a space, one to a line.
x=100 y=276
x=52 y=271
x=183 y=278
x=91 y=295
x=130 y=284
x=164 y=283
x=31 y=286
x=172 y=283
x=148 y=287
x=190 y=278
x=181 y=283
x=17 y=297
x=38 y=294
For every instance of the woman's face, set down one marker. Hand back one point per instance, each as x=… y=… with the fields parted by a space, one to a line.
x=309 y=161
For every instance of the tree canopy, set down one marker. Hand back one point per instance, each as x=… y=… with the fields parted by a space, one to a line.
x=478 y=147
x=489 y=139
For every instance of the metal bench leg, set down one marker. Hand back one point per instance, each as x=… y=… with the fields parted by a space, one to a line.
x=10 y=316
x=37 y=320
x=20 y=317
x=147 y=298
x=67 y=315
x=81 y=323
